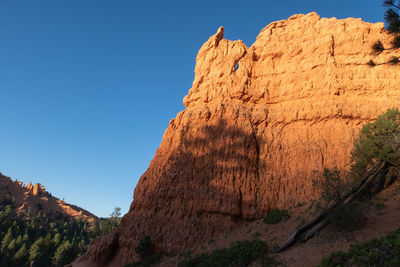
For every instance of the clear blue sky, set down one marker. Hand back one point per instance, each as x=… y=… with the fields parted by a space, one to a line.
x=87 y=88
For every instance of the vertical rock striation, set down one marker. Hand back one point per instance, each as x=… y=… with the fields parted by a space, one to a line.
x=259 y=121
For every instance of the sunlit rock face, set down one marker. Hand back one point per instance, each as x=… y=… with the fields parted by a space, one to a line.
x=259 y=122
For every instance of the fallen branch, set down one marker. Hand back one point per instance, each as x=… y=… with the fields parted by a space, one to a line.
x=370 y=176
x=315 y=229
x=306 y=231
x=297 y=232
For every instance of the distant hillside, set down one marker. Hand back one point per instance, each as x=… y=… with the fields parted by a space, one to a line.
x=37 y=229
x=35 y=198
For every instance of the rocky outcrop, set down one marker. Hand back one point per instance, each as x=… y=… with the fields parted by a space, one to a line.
x=34 y=198
x=36 y=189
x=259 y=122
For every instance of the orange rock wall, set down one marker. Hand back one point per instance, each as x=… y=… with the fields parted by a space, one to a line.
x=252 y=137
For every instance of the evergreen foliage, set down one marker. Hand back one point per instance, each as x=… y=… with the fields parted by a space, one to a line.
x=333 y=186
x=64 y=254
x=392 y=19
x=145 y=248
x=150 y=261
x=276 y=215
x=42 y=239
x=108 y=225
x=243 y=253
x=21 y=257
x=378 y=141
x=375 y=252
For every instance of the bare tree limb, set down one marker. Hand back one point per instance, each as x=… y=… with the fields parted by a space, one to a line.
x=306 y=231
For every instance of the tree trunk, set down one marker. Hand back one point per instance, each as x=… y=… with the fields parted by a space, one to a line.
x=382 y=180
x=305 y=232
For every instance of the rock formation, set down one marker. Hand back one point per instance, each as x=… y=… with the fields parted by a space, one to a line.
x=259 y=121
x=36 y=189
x=35 y=198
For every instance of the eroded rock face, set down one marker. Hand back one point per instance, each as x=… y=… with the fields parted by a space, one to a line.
x=258 y=123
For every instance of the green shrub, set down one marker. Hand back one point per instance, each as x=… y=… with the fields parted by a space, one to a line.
x=347 y=218
x=335 y=259
x=332 y=185
x=375 y=252
x=240 y=254
x=256 y=234
x=379 y=206
x=150 y=261
x=301 y=204
x=145 y=248
x=276 y=215
x=378 y=141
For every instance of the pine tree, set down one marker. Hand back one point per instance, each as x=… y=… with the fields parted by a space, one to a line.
x=11 y=247
x=25 y=238
x=392 y=19
x=8 y=237
x=36 y=251
x=39 y=253
x=378 y=141
x=57 y=239
x=64 y=254
x=115 y=215
x=21 y=257
x=19 y=241
x=8 y=209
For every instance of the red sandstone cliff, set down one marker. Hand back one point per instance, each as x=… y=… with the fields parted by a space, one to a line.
x=35 y=198
x=258 y=122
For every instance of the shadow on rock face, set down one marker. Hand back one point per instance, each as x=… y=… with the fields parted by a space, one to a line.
x=204 y=187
